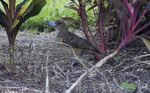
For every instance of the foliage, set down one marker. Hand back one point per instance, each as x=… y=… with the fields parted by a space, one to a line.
x=129 y=86
x=128 y=15
x=53 y=10
x=14 y=16
x=101 y=15
x=128 y=12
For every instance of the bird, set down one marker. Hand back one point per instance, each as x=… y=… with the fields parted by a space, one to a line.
x=78 y=44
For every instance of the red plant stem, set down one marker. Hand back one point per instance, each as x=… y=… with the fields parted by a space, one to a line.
x=134 y=17
x=103 y=46
x=139 y=20
x=100 y=26
x=130 y=37
x=92 y=35
x=85 y=26
x=75 y=3
x=98 y=23
x=128 y=6
x=137 y=31
x=95 y=16
x=84 y=20
x=125 y=41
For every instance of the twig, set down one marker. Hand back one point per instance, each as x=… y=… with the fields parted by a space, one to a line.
x=99 y=64
x=141 y=56
x=47 y=78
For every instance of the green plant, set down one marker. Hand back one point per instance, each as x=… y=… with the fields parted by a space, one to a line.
x=129 y=86
x=53 y=10
x=14 y=16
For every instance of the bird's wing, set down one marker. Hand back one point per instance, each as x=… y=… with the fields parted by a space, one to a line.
x=77 y=42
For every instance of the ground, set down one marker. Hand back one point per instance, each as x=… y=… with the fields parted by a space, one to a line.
x=28 y=74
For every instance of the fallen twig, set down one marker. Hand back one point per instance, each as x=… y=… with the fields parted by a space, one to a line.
x=99 y=64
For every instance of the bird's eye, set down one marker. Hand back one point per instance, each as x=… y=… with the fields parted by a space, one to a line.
x=59 y=23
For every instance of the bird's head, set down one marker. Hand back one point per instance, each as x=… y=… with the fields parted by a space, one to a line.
x=56 y=24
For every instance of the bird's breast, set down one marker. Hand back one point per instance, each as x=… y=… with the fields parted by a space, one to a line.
x=71 y=51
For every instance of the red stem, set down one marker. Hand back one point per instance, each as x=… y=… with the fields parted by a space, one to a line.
x=134 y=17
x=137 y=31
x=139 y=20
x=128 y=6
x=100 y=28
x=84 y=20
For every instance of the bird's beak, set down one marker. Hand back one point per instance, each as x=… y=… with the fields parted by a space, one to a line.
x=51 y=23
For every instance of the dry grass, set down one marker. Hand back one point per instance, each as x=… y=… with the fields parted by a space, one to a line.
x=29 y=75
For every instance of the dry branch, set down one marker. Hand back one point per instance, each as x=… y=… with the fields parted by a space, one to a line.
x=99 y=64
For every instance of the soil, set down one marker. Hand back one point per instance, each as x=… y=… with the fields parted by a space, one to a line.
x=27 y=74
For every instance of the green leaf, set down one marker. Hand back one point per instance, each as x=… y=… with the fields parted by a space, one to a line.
x=3 y=19
x=1 y=14
x=124 y=85
x=18 y=17
x=105 y=4
x=5 y=5
x=33 y=9
x=131 y=86
x=146 y=42
x=21 y=4
x=128 y=85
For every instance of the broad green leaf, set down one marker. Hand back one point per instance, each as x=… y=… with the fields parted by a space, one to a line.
x=19 y=16
x=21 y=4
x=5 y=5
x=3 y=19
x=146 y=42
x=33 y=9
x=105 y=4
x=12 y=19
